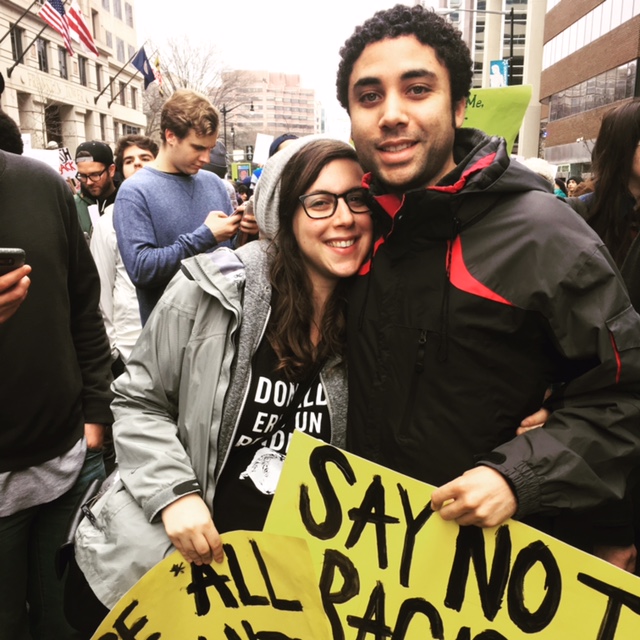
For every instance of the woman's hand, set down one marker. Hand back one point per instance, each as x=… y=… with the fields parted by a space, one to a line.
x=190 y=528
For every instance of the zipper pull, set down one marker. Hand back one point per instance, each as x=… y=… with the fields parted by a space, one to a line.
x=422 y=349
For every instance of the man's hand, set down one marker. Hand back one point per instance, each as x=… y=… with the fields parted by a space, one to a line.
x=480 y=496
x=94 y=435
x=249 y=224
x=190 y=528
x=534 y=421
x=13 y=290
x=622 y=557
x=222 y=226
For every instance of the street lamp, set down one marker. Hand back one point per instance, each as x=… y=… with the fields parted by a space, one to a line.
x=448 y=12
x=224 y=110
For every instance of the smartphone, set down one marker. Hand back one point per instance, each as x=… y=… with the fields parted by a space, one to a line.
x=10 y=259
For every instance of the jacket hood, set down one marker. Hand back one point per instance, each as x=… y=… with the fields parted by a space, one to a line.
x=224 y=273
x=484 y=170
x=482 y=165
x=267 y=194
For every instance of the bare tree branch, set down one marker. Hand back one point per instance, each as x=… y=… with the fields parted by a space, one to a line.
x=198 y=67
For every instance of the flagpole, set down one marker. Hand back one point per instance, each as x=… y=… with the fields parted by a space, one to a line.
x=131 y=79
x=122 y=68
x=17 y=22
x=24 y=52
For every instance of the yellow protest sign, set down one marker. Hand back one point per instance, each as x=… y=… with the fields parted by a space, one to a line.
x=265 y=589
x=392 y=569
x=498 y=111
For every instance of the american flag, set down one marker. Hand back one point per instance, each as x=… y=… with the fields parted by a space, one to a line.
x=53 y=14
x=79 y=28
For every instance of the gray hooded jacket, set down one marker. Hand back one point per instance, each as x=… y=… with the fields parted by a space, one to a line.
x=172 y=435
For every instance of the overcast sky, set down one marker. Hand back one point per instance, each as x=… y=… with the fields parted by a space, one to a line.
x=277 y=35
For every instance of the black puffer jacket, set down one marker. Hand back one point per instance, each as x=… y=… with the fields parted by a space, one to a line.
x=480 y=295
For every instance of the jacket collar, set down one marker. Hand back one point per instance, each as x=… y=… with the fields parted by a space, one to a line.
x=437 y=212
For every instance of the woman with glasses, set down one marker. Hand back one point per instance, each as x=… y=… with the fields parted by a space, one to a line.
x=243 y=348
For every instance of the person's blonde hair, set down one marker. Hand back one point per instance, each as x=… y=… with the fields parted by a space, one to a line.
x=186 y=110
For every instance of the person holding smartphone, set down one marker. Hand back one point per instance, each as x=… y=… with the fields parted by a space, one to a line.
x=14 y=287
x=54 y=394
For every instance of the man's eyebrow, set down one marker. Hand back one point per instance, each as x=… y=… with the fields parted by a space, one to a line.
x=367 y=82
x=412 y=74
x=418 y=73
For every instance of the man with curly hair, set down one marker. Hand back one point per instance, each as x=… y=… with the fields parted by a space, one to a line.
x=482 y=291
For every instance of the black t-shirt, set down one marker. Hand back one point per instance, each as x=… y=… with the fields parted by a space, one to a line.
x=250 y=477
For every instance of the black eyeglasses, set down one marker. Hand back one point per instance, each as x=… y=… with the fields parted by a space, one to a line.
x=323 y=204
x=90 y=177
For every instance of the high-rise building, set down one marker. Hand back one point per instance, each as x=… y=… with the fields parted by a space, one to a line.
x=56 y=97
x=492 y=29
x=279 y=104
x=590 y=63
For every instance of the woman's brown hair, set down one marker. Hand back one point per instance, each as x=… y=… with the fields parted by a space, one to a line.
x=612 y=159
x=289 y=331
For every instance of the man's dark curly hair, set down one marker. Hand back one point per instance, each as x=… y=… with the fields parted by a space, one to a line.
x=428 y=27
x=10 y=136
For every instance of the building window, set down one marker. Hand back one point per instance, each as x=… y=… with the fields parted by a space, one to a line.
x=82 y=71
x=42 y=47
x=128 y=130
x=108 y=39
x=117 y=9
x=103 y=127
x=120 y=49
x=605 y=17
x=128 y=14
x=123 y=94
x=105 y=5
x=606 y=88
x=95 y=23
x=17 y=51
x=99 y=77
x=62 y=63
x=131 y=51
x=134 y=98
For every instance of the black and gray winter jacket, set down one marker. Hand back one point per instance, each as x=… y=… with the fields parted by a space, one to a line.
x=482 y=292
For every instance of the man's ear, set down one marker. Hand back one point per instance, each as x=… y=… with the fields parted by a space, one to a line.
x=112 y=170
x=170 y=137
x=459 y=110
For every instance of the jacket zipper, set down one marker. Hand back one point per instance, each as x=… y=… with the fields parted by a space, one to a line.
x=244 y=398
x=223 y=300
x=413 y=388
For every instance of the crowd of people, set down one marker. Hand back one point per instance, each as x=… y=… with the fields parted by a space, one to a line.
x=492 y=346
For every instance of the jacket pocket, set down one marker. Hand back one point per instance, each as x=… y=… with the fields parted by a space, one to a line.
x=116 y=545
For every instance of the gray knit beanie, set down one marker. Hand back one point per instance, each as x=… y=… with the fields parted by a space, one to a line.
x=267 y=193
